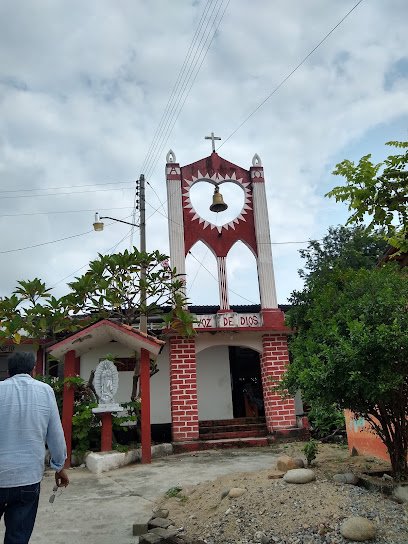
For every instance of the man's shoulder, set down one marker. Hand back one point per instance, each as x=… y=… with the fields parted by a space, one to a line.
x=42 y=385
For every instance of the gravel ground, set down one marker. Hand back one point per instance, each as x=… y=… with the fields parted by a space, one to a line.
x=276 y=512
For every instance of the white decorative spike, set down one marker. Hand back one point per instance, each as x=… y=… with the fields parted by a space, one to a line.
x=214 y=177
x=189 y=183
x=231 y=224
x=199 y=176
x=219 y=229
x=239 y=180
x=234 y=176
x=196 y=216
x=226 y=177
x=212 y=226
x=201 y=220
x=206 y=223
x=256 y=160
x=170 y=157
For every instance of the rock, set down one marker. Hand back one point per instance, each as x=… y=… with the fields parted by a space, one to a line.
x=160 y=522
x=140 y=527
x=265 y=540
x=161 y=513
x=225 y=492
x=150 y=538
x=358 y=529
x=275 y=475
x=285 y=463
x=353 y=452
x=163 y=533
x=299 y=476
x=258 y=536
x=346 y=478
x=299 y=462
x=401 y=493
x=308 y=539
x=236 y=492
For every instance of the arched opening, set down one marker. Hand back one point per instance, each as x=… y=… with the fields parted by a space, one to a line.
x=201 y=275
x=242 y=275
x=201 y=196
x=229 y=383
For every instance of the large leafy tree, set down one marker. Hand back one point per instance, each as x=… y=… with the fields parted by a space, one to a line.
x=379 y=190
x=351 y=340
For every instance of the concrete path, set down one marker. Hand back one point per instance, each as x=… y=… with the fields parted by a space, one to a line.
x=101 y=509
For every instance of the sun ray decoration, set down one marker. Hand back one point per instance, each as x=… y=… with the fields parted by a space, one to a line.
x=217 y=179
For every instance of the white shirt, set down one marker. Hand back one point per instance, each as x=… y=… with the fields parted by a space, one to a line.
x=29 y=418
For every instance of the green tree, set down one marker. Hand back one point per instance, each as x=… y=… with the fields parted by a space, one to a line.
x=383 y=197
x=351 y=349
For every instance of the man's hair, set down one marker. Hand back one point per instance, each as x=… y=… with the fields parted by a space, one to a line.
x=21 y=362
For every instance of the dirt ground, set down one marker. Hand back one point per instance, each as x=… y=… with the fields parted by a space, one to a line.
x=273 y=511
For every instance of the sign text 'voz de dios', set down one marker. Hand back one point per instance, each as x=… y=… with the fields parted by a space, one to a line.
x=228 y=320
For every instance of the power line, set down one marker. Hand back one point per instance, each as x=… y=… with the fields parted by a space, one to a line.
x=58 y=212
x=51 y=242
x=71 y=193
x=63 y=187
x=216 y=279
x=290 y=74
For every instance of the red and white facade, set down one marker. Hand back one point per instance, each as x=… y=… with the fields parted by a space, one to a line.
x=263 y=332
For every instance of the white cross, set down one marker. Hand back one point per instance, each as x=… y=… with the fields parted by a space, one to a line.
x=213 y=138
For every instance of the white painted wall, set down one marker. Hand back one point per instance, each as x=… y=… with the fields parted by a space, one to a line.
x=159 y=385
x=214 y=384
x=247 y=339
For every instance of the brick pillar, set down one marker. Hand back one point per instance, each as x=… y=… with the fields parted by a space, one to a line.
x=183 y=389
x=280 y=413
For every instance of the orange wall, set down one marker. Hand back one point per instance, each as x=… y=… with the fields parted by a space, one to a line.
x=362 y=437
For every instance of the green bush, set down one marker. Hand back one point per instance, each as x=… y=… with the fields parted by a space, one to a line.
x=310 y=450
x=325 y=420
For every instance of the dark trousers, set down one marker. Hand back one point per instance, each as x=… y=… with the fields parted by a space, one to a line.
x=19 y=506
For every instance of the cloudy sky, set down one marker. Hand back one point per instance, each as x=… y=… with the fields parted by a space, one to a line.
x=84 y=85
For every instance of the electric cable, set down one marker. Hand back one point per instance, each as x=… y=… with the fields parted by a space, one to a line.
x=290 y=74
x=71 y=193
x=63 y=187
x=59 y=212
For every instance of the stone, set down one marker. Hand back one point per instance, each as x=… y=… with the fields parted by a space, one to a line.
x=299 y=462
x=401 y=493
x=346 y=478
x=160 y=513
x=275 y=475
x=150 y=538
x=299 y=476
x=358 y=529
x=140 y=528
x=265 y=540
x=225 y=492
x=285 y=463
x=308 y=539
x=166 y=534
x=160 y=522
x=236 y=492
x=258 y=536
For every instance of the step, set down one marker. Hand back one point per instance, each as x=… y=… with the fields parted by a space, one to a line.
x=201 y=445
x=236 y=421
x=232 y=434
x=233 y=428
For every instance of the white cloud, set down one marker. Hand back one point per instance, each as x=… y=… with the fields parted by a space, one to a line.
x=83 y=87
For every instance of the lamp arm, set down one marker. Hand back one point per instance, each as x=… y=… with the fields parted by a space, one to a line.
x=120 y=221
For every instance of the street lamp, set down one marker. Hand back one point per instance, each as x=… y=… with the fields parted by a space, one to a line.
x=98 y=225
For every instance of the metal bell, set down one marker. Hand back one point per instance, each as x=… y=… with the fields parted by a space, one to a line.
x=218 y=204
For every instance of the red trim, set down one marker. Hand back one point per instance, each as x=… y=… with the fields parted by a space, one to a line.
x=106 y=433
x=68 y=404
x=145 y=392
x=39 y=366
x=29 y=341
x=123 y=328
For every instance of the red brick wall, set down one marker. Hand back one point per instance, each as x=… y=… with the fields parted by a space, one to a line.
x=183 y=389
x=279 y=414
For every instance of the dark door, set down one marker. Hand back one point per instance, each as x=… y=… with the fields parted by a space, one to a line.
x=246 y=382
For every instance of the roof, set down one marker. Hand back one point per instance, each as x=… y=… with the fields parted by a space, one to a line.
x=105 y=331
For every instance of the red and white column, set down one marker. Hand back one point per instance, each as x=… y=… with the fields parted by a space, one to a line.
x=223 y=285
x=183 y=389
x=279 y=412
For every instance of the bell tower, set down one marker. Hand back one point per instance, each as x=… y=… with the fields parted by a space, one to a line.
x=264 y=331
x=251 y=225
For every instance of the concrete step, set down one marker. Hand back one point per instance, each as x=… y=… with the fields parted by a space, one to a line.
x=200 y=445
x=236 y=421
x=231 y=434
x=260 y=427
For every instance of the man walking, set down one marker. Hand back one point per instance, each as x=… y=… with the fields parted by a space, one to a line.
x=29 y=418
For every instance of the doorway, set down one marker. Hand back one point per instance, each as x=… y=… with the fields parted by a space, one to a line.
x=246 y=382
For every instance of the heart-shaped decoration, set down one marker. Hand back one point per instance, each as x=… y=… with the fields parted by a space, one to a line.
x=201 y=197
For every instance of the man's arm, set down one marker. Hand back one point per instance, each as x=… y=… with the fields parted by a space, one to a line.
x=56 y=444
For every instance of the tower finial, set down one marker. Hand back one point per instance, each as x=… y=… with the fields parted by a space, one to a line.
x=213 y=138
x=256 y=160
x=170 y=157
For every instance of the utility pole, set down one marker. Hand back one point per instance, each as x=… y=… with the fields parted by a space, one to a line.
x=143 y=317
